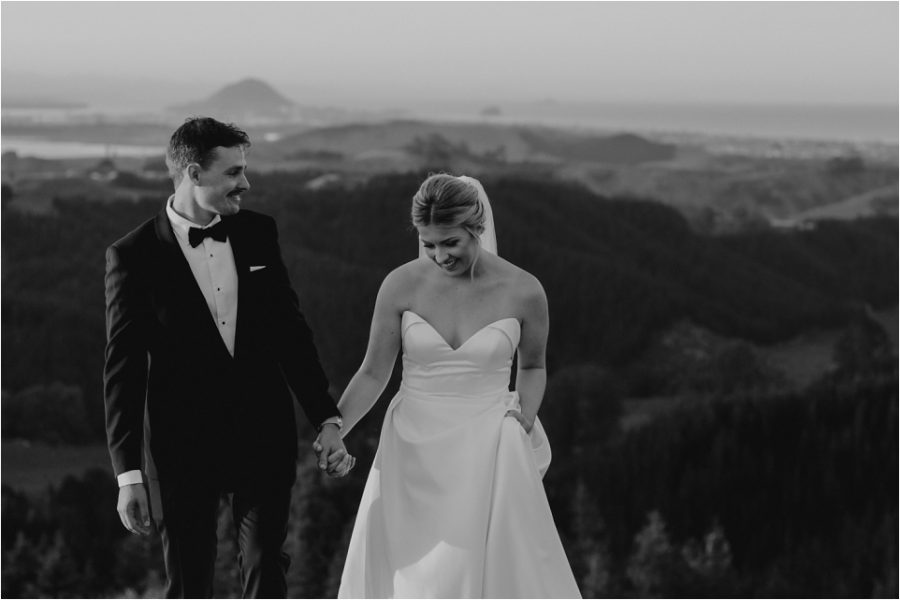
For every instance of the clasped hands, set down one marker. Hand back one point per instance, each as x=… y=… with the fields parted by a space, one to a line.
x=331 y=454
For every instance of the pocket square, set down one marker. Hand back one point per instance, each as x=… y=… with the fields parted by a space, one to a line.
x=256 y=267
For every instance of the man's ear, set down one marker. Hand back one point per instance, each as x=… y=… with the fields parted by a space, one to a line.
x=193 y=173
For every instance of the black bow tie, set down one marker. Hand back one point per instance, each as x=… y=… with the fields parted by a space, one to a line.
x=218 y=232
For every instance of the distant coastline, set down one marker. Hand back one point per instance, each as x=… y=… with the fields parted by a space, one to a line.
x=837 y=123
x=52 y=149
x=763 y=130
x=39 y=104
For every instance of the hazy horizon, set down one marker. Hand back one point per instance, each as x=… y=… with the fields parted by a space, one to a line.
x=410 y=55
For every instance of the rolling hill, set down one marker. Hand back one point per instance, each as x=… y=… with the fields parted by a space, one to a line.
x=877 y=202
x=512 y=143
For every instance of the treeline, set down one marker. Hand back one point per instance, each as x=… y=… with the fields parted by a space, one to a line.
x=801 y=486
x=617 y=273
x=69 y=543
x=759 y=495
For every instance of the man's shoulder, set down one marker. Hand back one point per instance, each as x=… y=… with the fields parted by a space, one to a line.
x=138 y=237
x=252 y=218
x=253 y=224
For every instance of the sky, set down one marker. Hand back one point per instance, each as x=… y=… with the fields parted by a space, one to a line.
x=404 y=54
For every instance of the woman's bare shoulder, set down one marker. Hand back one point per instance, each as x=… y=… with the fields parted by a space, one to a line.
x=521 y=283
x=399 y=283
x=531 y=294
x=524 y=289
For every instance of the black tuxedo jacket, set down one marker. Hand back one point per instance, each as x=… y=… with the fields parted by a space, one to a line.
x=178 y=405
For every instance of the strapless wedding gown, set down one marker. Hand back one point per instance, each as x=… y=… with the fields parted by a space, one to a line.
x=454 y=506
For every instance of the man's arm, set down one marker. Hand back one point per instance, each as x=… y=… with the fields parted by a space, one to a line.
x=299 y=357
x=125 y=381
x=125 y=369
x=303 y=370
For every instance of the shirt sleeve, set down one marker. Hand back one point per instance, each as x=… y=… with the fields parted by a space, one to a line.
x=129 y=478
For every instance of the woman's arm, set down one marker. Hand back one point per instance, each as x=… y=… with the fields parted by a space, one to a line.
x=531 y=378
x=384 y=342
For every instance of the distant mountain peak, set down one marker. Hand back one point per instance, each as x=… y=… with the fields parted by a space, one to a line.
x=250 y=91
x=250 y=94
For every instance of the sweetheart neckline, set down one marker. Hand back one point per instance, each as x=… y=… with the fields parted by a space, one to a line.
x=446 y=343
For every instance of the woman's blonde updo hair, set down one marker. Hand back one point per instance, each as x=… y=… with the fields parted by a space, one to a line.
x=448 y=201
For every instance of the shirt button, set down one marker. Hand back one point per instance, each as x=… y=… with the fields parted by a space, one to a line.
x=223 y=322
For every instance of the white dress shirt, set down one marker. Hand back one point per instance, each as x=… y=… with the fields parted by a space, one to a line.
x=212 y=264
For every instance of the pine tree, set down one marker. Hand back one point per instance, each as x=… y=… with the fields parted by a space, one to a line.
x=302 y=578
x=58 y=573
x=864 y=349
x=20 y=564
x=651 y=566
x=591 y=552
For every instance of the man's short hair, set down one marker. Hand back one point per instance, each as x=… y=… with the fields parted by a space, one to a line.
x=195 y=142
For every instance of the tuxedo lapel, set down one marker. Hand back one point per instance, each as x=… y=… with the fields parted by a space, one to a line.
x=184 y=296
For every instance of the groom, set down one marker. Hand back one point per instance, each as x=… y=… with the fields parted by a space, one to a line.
x=205 y=346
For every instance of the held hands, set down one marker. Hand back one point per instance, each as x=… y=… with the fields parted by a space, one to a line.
x=523 y=421
x=134 y=508
x=332 y=456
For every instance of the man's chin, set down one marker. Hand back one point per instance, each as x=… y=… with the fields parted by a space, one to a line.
x=233 y=206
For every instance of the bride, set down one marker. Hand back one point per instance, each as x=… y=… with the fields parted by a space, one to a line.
x=454 y=506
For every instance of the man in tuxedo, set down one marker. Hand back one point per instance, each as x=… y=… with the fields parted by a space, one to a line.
x=205 y=346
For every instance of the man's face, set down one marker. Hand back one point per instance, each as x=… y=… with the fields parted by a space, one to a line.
x=221 y=185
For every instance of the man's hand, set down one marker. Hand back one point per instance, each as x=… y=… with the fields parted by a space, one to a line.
x=331 y=453
x=134 y=508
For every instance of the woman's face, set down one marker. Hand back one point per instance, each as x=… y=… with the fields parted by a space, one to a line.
x=452 y=249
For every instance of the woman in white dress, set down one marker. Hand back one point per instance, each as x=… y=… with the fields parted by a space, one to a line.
x=454 y=506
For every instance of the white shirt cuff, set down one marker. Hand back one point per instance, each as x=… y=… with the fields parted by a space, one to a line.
x=129 y=478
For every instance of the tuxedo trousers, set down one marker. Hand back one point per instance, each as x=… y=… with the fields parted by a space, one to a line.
x=186 y=517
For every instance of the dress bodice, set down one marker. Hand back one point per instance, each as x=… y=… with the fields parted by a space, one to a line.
x=479 y=367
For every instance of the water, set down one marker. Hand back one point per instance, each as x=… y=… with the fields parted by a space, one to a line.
x=810 y=122
x=862 y=124
x=41 y=148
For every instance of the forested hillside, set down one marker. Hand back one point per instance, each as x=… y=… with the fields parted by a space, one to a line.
x=617 y=272
x=736 y=489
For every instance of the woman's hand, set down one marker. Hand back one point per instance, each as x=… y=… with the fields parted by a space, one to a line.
x=523 y=421
x=331 y=453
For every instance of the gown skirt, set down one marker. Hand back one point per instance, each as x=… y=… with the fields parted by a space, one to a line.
x=454 y=505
